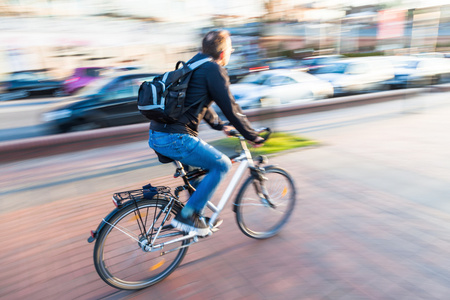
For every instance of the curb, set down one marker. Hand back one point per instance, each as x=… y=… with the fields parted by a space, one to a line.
x=63 y=143
x=330 y=104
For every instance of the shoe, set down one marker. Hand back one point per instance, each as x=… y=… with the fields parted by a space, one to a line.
x=217 y=222
x=193 y=223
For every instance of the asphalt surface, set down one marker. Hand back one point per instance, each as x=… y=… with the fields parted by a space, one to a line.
x=371 y=222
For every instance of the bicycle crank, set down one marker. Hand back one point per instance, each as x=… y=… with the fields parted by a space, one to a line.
x=194 y=240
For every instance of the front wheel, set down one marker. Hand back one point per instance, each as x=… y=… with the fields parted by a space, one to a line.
x=263 y=207
x=121 y=257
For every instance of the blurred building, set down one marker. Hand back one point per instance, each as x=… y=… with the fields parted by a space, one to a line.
x=66 y=34
x=63 y=35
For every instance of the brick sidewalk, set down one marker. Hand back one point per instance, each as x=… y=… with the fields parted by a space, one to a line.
x=371 y=222
x=344 y=241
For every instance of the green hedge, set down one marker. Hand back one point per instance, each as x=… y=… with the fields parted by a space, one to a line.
x=278 y=142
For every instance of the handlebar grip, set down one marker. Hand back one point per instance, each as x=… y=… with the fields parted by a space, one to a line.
x=266 y=129
x=236 y=133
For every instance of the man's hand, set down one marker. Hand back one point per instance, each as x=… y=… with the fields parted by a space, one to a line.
x=258 y=142
x=227 y=128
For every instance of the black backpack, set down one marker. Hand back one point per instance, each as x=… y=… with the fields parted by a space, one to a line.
x=162 y=99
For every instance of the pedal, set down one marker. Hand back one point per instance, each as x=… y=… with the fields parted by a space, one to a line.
x=216 y=225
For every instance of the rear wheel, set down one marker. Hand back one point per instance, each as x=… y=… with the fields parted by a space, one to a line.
x=263 y=207
x=121 y=257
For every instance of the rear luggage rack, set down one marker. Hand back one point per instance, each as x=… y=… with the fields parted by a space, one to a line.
x=147 y=192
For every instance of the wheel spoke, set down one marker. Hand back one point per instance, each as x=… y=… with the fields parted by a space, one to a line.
x=128 y=263
x=259 y=217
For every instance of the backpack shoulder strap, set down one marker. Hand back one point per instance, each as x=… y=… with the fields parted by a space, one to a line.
x=198 y=63
x=182 y=72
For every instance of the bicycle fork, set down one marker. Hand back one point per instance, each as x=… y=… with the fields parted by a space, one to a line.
x=259 y=183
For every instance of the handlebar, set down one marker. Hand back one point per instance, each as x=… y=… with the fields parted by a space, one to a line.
x=267 y=130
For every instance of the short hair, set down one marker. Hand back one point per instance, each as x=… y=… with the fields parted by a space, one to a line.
x=214 y=42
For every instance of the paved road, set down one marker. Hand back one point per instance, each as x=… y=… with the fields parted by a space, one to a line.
x=372 y=221
x=22 y=118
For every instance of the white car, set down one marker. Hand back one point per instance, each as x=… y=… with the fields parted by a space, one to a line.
x=413 y=71
x=355 y=75
x=277 y=87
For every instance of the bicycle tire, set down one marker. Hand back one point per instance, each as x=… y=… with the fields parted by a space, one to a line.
x=120 y=260
x=251 y=208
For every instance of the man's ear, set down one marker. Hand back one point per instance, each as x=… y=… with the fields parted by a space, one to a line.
x=221 y=56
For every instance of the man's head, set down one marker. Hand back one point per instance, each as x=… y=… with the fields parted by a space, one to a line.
x=217 y=44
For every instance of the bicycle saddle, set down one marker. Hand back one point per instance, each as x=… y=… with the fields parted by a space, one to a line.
x=163 y=159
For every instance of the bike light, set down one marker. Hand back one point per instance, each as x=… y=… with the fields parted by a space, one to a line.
x=92 y=237
x=262 y=159
x=115 y=202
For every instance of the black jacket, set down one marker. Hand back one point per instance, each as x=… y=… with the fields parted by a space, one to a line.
x=212 y=80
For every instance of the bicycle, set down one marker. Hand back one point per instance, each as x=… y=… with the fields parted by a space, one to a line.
x=130 y=249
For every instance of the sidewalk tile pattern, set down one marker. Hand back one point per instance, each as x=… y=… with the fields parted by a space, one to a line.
x=344 y=241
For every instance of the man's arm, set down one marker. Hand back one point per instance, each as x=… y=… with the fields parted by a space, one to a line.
x=213 y=119
x=218 y=87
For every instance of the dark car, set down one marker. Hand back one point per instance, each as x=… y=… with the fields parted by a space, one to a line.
x=108 y=101
x=81 y=77
x=23 y=84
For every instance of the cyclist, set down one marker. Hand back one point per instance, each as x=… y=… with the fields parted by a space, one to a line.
x=179 y=141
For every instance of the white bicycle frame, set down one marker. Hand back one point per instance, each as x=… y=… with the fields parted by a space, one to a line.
x=245 y=161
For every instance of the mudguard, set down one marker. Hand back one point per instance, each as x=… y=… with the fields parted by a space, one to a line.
x=106 y=220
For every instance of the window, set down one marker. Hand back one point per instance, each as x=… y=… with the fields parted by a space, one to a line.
x=357 y=68
x=124 y=89
x=280 y=80
x=93 y=72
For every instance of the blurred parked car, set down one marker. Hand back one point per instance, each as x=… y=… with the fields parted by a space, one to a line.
x=315 y=63
x=431 y=55
x=82 y=77
x=23 y=84
x=108 y=101
x=355 y=75
x=276 y=87
x=413 y=71
x=238 y=67
x=284 y=63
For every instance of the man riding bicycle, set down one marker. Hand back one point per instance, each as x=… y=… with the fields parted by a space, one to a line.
x=179 y=141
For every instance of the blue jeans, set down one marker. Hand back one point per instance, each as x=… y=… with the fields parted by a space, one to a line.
x=193 y=151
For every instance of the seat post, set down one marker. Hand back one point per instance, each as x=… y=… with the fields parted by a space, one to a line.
x=181 y=172
x=180 y=169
